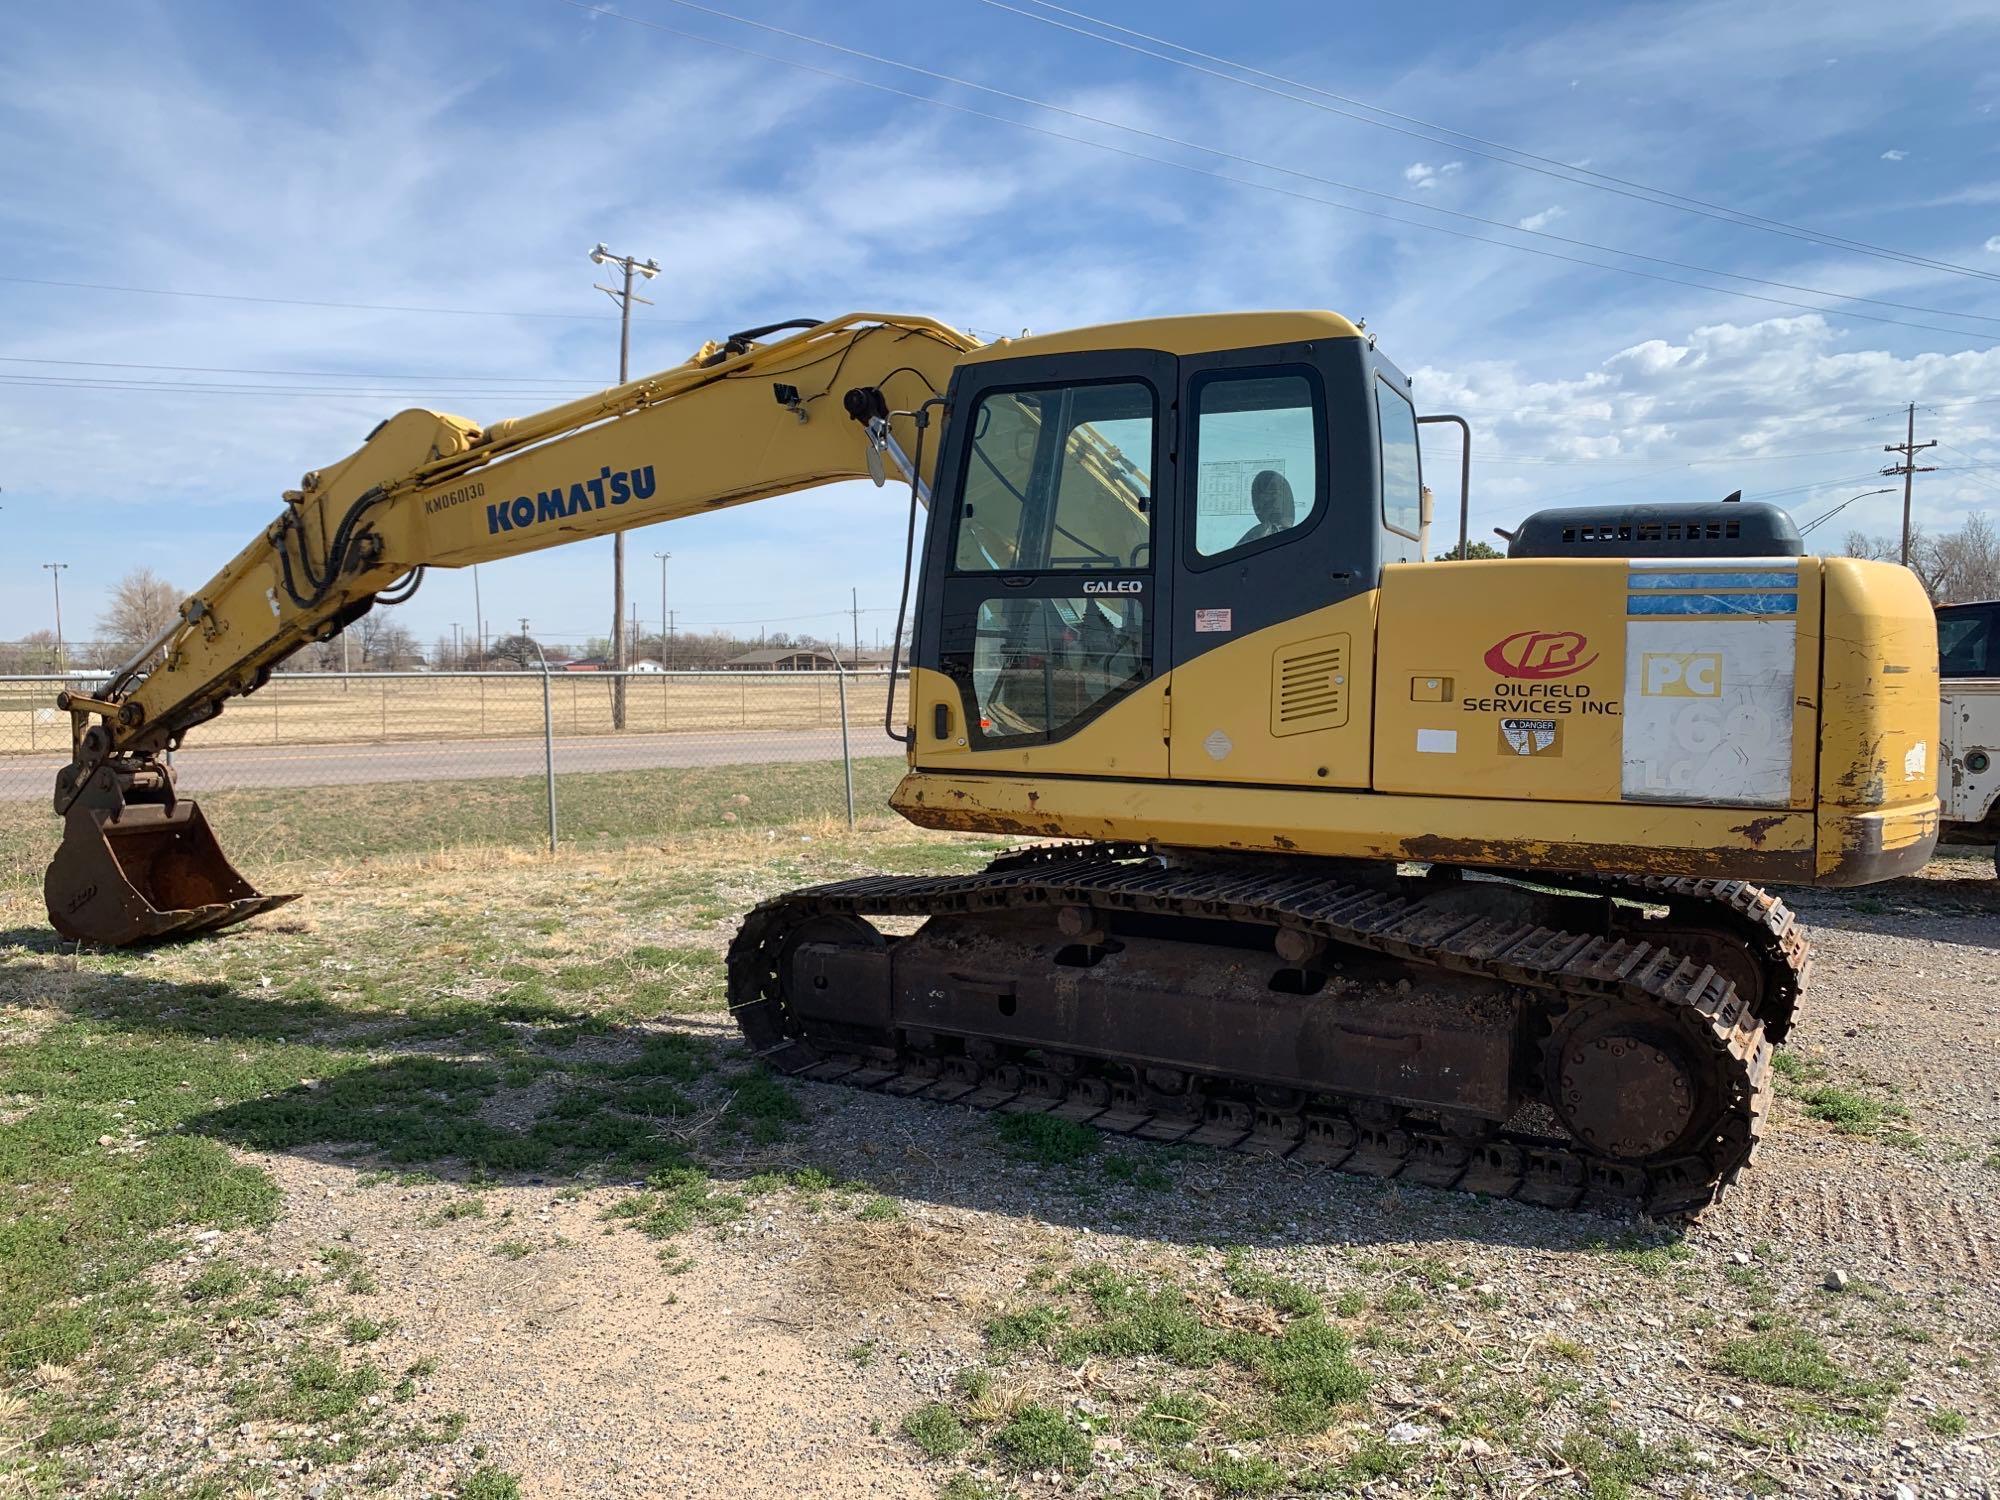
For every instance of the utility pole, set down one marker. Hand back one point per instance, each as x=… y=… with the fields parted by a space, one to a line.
x=457 y=646
x=624 y=297
x=670 y=633
x=663 y=556
x=1909 y=467
x=55 y=576
x=478 y=614
x=854 y=604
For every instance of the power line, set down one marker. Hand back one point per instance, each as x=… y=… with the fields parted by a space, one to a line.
x=109 y=364
x=205 y=388
x=1975 y=478
x=1313 y=177
x=1543 y=165
x=1269 y=166
x=453 y=312
x=1732 y=458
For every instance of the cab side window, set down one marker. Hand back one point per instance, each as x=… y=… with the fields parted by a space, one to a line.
x=1969 y=642
x=1402 y=470
x=1257 y=442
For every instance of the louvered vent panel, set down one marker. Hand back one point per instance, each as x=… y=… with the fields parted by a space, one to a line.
x=1309 y=685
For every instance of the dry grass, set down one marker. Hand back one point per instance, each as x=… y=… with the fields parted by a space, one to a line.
x=265 y=828
x=290 y=711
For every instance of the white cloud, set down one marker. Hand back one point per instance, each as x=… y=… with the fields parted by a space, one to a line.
x=1894 y=155
x=1543 y=219
x=1786 y=407
x=1993 y=245
x=1423 y=175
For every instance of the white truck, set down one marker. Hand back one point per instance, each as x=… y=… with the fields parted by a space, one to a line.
x=1969 y=777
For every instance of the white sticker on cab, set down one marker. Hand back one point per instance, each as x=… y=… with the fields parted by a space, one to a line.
x=1437 y=741
x=1210 y=620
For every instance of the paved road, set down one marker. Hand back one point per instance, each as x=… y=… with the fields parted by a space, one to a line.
x=32 y=777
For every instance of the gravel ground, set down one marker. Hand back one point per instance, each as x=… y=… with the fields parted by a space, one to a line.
x=779 y=1352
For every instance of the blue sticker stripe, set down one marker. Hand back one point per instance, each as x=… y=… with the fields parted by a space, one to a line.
x=1711 y=604
x=1713 y=581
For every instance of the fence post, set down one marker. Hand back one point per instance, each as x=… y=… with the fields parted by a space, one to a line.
x=846 y=750
x=549 y=745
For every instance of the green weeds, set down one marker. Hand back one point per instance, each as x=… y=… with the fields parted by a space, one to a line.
x=937 y=1430
x=1046 y=1140
x=1792 y=1359
x=1040 y=1437
x=1611 y=1461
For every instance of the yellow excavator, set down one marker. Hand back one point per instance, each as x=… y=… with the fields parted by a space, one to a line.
x=1433 y=870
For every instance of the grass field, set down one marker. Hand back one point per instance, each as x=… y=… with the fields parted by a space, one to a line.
x=292 y=711
x=383 y=1019
x=289 y=1207
x=261 y=828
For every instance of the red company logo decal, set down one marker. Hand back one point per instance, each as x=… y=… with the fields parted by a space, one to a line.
x=1539 y=654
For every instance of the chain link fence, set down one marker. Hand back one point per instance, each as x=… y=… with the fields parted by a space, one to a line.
x=344 y=764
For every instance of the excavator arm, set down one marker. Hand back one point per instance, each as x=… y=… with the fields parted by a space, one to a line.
x=742 y=420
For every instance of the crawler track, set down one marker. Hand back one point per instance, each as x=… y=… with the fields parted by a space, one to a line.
x=1584 y=993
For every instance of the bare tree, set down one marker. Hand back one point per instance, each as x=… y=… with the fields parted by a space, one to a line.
x=1961 y=564
x=35 y=652
x=385 y=646
x=1967 y=562
x=142 y=605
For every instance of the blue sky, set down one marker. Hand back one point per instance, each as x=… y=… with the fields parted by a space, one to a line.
x=454 y=155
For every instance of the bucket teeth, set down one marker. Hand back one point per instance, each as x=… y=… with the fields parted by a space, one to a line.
x=148 y=872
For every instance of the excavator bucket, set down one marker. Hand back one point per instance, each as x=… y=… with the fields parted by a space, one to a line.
x=147 y=872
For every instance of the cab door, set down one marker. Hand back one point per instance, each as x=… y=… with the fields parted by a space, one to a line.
x=1041 y=634
x=1280 y=546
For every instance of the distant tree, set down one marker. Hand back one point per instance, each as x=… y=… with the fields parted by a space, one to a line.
x=513 y=651
x=1961 y=564
x=142 y=605
x=33 y=653
x=1967 y=562
x=1473 y=553
x=385 y=646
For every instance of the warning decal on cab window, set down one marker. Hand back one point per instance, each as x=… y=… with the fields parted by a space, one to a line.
x=1208 y=621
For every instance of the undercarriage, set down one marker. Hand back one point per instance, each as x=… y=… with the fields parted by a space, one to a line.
x=1585 y=1043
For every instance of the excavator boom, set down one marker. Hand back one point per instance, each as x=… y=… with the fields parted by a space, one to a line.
x=751 y=417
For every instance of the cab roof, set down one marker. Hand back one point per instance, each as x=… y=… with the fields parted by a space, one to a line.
x=1200 y=333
